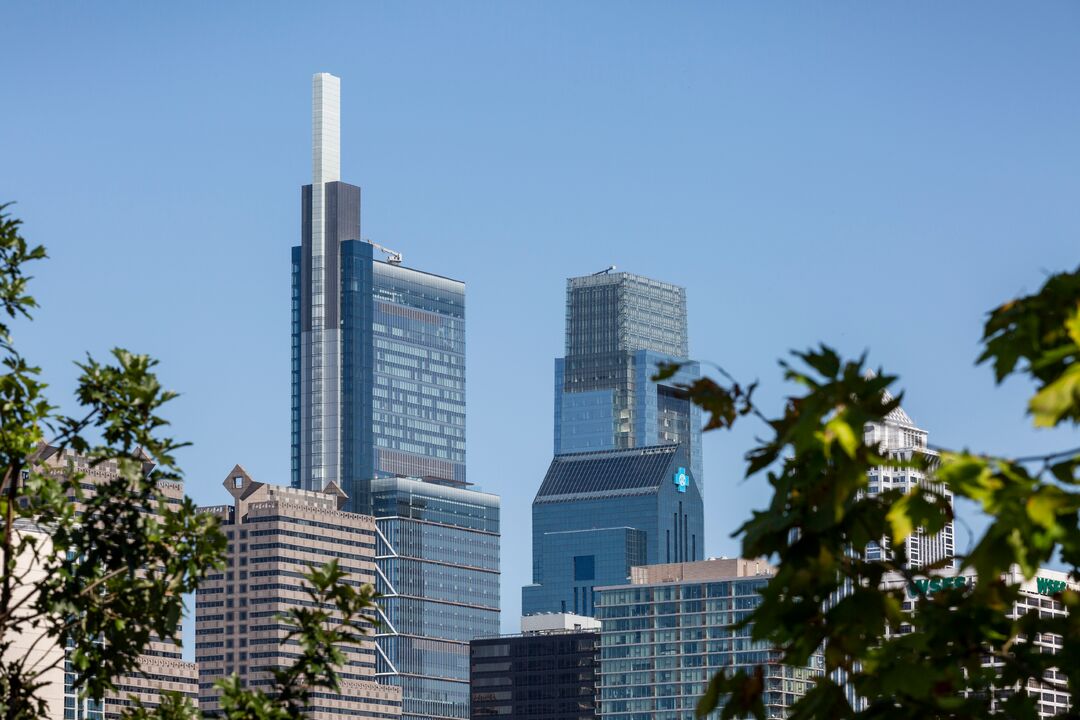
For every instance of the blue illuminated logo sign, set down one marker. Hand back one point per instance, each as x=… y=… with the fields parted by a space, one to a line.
x=681 y=479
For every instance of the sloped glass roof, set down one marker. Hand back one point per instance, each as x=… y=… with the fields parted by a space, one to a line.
x=606 y=474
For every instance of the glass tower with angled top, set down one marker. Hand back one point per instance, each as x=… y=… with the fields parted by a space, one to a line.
x=619 y=327
x=378 y=408
x=378 y=349
x=597 y=514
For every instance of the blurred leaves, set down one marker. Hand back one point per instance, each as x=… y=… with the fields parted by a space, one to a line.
x=908 y=646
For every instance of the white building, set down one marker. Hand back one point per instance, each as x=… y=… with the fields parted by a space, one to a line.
x=899 y=439
x=1036 y=595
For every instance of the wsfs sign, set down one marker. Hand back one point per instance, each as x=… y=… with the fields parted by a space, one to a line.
x=929 y=586
x=1047 y=586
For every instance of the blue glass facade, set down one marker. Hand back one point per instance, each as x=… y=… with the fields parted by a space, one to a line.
x=658 y=412
x=619 y=327
x=599 y=513
x=438 y=560
x=402 y=367
x=662 y=642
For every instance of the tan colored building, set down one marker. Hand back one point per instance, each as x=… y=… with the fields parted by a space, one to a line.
x=161 y=668
x=43 y=656
x=275 y=534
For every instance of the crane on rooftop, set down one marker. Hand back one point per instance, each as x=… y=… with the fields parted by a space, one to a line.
x=392 y=256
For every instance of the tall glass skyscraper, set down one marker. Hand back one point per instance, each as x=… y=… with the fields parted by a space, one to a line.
x=378 y=349
x=378 y=407
x=619 y=326
x=438 y=574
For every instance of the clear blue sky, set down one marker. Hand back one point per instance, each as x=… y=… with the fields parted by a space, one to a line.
x=874 y=175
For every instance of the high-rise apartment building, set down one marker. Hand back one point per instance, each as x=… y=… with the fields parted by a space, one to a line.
x=899 y=439
x=619 y=326
x=548 y=672
x=438 y=575
x=666 y=633
x=599 y=513
x=378 y=349
x=275 y=534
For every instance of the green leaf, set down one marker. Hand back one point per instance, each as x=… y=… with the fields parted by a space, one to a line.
x=1057 y=399
x=841 y=431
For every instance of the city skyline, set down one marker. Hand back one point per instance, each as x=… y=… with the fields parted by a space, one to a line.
x=218 y=326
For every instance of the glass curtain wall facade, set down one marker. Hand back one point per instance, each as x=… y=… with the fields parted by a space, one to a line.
x=378 y=349
x=402 y=374
x=598 y=514
x=438 y=572
x=619 y=326
x=668 y=633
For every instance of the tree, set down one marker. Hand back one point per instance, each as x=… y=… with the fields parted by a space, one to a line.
x=928 y=662
x=94 y=569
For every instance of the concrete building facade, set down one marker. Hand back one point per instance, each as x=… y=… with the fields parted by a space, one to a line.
x=900 y=439
x=274 y=535
x=162 y=667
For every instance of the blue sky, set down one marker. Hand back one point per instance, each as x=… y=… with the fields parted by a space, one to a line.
x=873 y=175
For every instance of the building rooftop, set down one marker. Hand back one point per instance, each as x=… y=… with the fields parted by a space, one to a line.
x=700 y=571
x=606 y=473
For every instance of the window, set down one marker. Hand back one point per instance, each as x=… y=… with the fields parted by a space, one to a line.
x=584 y=567
x=238 y=482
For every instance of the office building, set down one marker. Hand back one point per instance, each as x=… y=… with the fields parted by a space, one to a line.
x=378 y=349
x=619 y=327
x=599 y=513
x=899 y=439
x=667 y=632
x=547 y=672
x=438 y=574
x=161 y=668
x=378 y=398
x=275 y=534
x=1036 y=595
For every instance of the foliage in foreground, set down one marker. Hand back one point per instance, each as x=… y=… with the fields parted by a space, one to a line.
x=824 y=595
x=111 y=570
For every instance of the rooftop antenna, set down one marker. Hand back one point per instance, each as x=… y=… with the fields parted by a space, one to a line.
x=392 y=256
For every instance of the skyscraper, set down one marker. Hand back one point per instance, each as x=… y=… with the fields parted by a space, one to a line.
x=899 y=439
x=619 y=326
x=378 y=401
x=599 y=513
x=378 y=349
